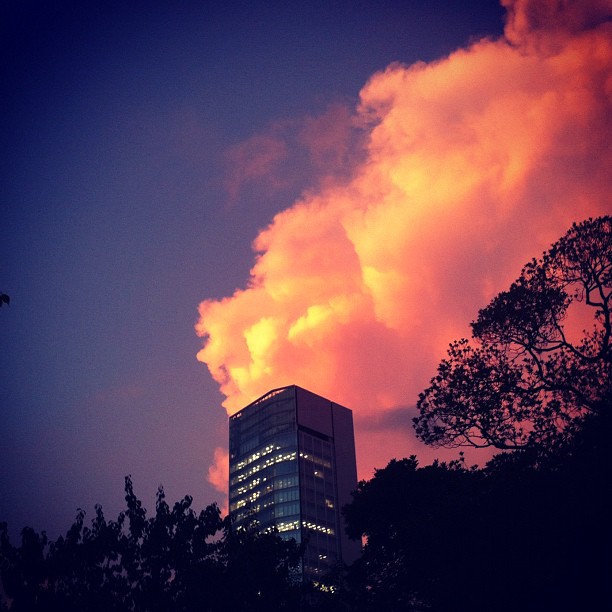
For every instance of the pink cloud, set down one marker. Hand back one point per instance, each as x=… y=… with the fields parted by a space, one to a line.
x=472 y=165
x=218 y=475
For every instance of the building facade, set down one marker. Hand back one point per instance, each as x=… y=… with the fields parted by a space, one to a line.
x=293 y=467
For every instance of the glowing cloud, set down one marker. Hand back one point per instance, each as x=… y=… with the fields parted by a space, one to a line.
x=218 y=474
x=473 y=165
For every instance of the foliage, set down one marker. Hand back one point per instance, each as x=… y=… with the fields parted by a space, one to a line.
x=530 y=531
x=404 y=513
x=527 y=532
x=175 y=560
x=526 y=380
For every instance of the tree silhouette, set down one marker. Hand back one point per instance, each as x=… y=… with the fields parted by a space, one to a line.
x=525 y=379
x=530 y=531
x=420 y=529
x=176 y=560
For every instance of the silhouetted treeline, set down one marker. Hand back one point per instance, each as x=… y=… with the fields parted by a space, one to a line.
x=174 y=560
x=530 y=531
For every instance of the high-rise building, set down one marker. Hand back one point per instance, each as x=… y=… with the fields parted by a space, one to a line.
x=292 y=465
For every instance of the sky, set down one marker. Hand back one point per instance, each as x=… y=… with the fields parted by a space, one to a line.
x=202 y=201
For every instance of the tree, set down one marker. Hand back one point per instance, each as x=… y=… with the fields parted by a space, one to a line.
x=261 y=571
x=420 y=529
x=176 y=560
x=527 y=379
x=528 y=531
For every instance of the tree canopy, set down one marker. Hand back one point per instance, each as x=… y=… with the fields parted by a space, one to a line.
x=526 y=532
x=418 y=523
x=529 y=376
x=175 y=560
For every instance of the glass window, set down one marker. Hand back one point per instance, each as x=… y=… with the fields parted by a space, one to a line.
x=285 y=495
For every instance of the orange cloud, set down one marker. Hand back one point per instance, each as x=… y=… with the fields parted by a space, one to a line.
x=473 y=164
x=218 y=475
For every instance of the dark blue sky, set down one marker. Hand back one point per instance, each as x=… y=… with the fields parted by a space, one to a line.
x=116 y=221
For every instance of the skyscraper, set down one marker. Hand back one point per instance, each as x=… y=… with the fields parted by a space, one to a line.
x=292 y=465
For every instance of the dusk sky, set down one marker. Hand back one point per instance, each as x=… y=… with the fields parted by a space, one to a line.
x=316 y=193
